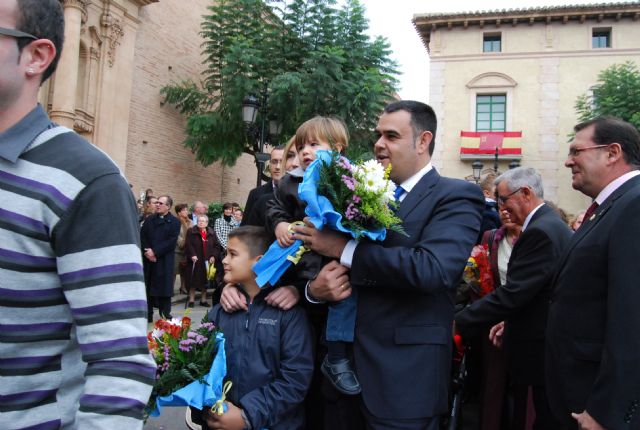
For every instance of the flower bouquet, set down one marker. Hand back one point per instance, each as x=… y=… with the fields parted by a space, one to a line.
x=477 y=273
x=357 y=199
x=191 y=364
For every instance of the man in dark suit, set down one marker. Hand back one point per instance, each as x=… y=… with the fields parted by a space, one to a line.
x=406 y=285
x=523 y=301
x=593 y=346
x=276 y=169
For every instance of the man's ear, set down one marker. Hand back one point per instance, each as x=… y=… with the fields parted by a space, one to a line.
x=37 y=56
x=423 y=142
x=614 y=152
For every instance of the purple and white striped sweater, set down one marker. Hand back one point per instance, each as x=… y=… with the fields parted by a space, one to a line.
x=73 y=348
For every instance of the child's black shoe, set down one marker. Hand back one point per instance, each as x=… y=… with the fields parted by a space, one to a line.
x=341 y=375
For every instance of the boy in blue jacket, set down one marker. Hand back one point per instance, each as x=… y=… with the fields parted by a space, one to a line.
x=269 y=351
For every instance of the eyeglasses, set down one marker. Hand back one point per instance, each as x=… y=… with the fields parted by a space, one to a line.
x=574 y=152
x=16 y=33
x=504 y=199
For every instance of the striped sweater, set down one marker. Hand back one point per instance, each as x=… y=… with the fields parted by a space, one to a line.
x=73 y=348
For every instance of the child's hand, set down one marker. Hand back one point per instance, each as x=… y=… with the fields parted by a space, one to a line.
x=283 y=298
x=230 y=420
x=283 y=235
x=232 y=299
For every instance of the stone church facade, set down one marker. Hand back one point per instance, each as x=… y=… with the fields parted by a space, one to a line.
x=117 y=56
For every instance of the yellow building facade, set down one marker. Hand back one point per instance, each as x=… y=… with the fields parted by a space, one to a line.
x=511 y=79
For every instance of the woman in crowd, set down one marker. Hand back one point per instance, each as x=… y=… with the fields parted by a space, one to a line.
x=576 y=221
x=202 y=249
x=225 y=224
x=180 y=264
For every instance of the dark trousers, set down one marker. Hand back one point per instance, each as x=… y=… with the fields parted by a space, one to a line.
x=544 y=419
x=164 y=306
x=349 y=413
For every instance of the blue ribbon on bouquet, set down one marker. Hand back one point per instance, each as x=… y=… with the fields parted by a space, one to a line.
x=199 y=394
x=320 y=211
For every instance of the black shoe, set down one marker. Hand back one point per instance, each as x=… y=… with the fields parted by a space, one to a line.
x=190 y=305
x=205 y=305
x=341 y=375
x=166 y=317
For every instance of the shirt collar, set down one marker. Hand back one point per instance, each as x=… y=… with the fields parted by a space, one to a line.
x=408 y=185
x=16 y=139
x=528 y=218
x=614 y=185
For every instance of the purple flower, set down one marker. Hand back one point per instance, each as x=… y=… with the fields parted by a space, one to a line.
x=344 y=163
x=349 y=182
x=351 y=212
x=185 y=345
x=356 y=199
x=208 y=325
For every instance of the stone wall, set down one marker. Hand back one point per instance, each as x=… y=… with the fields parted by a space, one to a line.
x=168 y=48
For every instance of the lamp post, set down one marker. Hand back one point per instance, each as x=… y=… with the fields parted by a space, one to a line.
x=495 y=160
x=251 y=106
x=477 y=170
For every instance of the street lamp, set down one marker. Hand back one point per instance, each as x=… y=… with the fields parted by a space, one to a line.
x=477 y=170
x=251 y=105
x=495 y=161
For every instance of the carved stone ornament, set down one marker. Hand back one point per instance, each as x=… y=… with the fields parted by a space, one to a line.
x=114 y=30
x=78 y=4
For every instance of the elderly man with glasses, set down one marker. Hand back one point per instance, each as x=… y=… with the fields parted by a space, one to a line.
x=519 y=308
x=73 y=347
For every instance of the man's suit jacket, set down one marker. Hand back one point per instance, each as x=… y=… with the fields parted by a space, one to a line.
x=254 y=195
x=523 y=301
x=406 y=288
x=593 y=335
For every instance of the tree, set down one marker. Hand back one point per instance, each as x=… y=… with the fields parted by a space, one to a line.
x=312 y=59
x=617 y=94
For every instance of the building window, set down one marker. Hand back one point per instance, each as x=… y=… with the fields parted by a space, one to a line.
x=491 y=42
x=601 y=38
x=491 y=112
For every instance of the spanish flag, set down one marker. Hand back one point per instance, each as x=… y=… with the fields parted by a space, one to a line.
x=485 y=142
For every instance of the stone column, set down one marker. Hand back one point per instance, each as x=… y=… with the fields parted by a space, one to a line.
x=66 y=83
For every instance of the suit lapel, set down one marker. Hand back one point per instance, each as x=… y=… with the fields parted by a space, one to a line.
x=422 y=189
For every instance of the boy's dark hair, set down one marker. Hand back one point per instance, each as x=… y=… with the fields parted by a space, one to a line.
x=423 y=118
x=255 y=238
x=227 y=206
x=45 y=20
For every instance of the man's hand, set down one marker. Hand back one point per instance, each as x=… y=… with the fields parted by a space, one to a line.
x=327 y=242
x=283 y=298
x=232 y=299
x=148 y=252
x=230 y=420
x=332 y=283
x=495 y=334
x=586 y=421
x=284 y=235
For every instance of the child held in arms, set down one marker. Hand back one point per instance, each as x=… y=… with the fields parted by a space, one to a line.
x=313 y=135
x=269 y=350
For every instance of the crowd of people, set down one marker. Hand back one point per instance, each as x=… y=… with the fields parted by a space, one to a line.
x=560 y=318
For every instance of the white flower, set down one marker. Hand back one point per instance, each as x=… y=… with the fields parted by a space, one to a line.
x=157 y=333
x=371 y=175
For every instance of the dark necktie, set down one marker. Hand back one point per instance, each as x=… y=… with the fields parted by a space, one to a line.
x=589 y=212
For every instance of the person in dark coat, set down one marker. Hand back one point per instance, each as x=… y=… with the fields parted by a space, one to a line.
x=276 y=167
x=201 y=247
x=523 y=301
x=159 y=235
